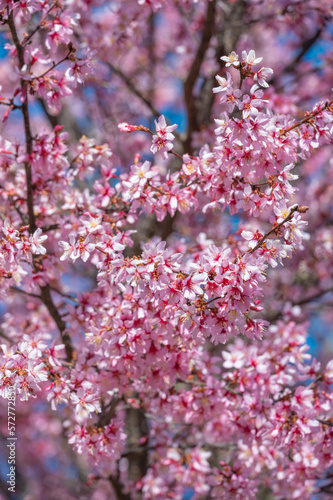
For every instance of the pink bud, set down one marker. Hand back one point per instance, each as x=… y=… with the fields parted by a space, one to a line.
x=125 y=127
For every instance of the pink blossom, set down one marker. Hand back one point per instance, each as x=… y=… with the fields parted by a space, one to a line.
x=224 y=84
x=250 y=58
x=148 y=315
x=141 y=173
x=69 y=248
x=85 y=403
x=125 y=127
x=231 y=98
x=231 y=59
x=162 y=141
x=36 y=241
x=262 y=75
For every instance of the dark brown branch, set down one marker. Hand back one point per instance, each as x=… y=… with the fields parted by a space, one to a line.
x=189 y=84
x=134 y=89
x=19 y=290
x=118 y=488
x=275 y=228
x=107 y=413
x=55 y=64
x=50 y=227
x=227 y=37
x=48 y=302
x=325 y=422
x=306 y=46
x=306 y=300
x=136 y=429
x=315 y=296
x=27 y=129
x=62 y=294
x=3 y=335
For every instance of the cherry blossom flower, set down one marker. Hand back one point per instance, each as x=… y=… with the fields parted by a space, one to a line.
x=36 y=372
x=36 y=241
x=162 y=141
x=52 y=353
x=69 y=248
x=84 y=248
x=251 y=102
x=224 y=84
x=142 y=173
x=250 y=58
x=248 y=200
x=231 y=59
x=85 y=403
x=231 y=97
x=192 y=285
x=262 y=75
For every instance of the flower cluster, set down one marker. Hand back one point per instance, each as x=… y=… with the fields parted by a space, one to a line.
x=136 y=308
x=22 y=368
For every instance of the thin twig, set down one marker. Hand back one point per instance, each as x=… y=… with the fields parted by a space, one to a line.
x=325 y=422
x=62 y=294
x=19 y=290
x=134 y=89
x=275 y=228
x=26 y=40
x=309 y=117
x=54 y=65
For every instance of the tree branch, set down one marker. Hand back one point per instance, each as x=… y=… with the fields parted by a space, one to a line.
x=118 y=488
x=45 y=290
x=27 y=128
x=134 y=89
x=48 y=302
x=275 y=228
x=189 y=84
x=19 y=290
x=327 y=106
x=307 y=44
